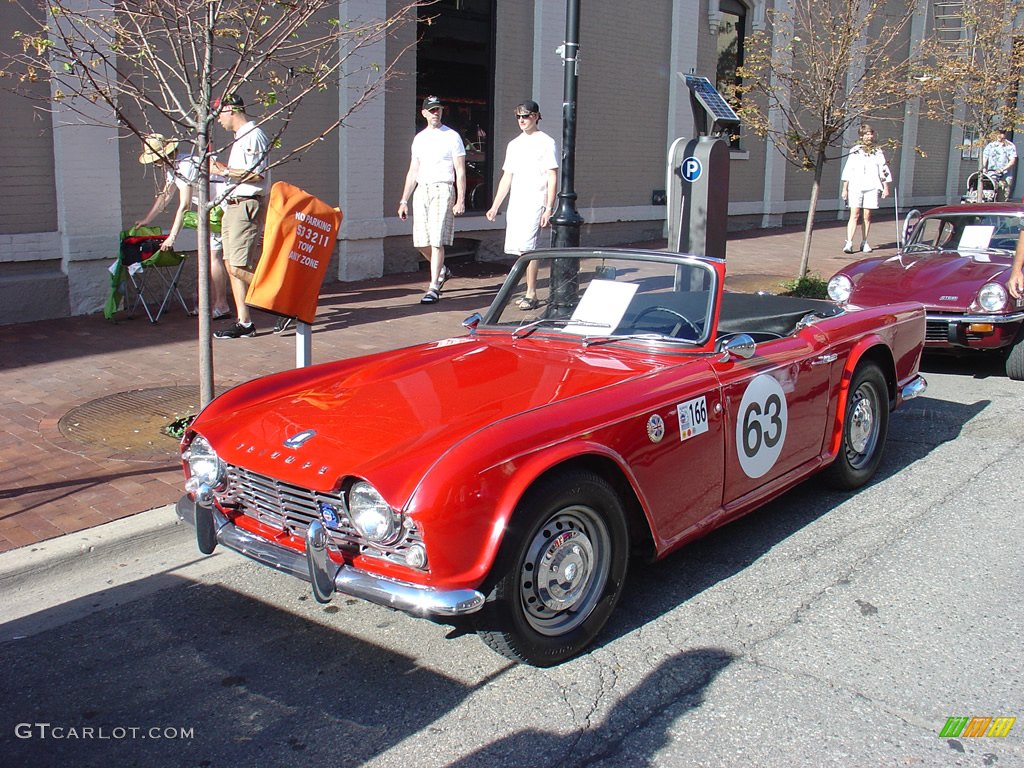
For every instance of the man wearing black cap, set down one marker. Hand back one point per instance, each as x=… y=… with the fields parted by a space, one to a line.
x=247 y=181
x=437 y=171
x=530 y=178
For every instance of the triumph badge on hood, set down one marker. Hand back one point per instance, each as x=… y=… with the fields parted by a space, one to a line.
x=298 y=440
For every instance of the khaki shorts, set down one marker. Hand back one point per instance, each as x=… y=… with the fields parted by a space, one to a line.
x=867 y=199
x=433 y=222
x=242 y=233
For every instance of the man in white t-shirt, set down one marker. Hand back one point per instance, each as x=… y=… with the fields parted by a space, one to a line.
x=437 y=171
x=247 y=180
x=530 y=179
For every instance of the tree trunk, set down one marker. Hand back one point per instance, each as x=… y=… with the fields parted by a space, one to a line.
x=205 y=125
x=812 y=207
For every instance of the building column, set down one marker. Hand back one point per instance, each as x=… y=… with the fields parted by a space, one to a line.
x=904 y=185
x=776 y=166
x=361 y=156
x=88 y=182
x=548 y=35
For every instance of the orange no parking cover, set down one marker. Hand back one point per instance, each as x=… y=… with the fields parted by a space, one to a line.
x=297 y=244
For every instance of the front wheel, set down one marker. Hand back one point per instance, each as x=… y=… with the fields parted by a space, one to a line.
x=1015 y=358
x=560 y=570
x=865 y=426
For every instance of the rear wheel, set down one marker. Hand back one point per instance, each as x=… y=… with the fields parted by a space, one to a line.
x=865 y=426
x=560 y=570
x=1015 y=358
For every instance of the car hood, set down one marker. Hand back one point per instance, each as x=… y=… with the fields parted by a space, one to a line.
x=942 y=281
x=388 y=417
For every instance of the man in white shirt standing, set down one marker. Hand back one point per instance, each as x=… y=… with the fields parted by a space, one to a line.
x=247 y=181
x=530 y=179
x=437 y=171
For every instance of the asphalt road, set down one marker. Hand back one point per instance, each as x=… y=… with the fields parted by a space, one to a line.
x=823 y=630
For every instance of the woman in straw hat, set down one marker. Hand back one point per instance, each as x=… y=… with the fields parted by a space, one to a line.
x=182 y=172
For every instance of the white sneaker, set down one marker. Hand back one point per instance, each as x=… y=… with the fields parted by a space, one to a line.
x=864 y=247
x=848 y=247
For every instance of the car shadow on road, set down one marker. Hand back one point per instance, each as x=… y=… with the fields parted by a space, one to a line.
x=250 y=682
x=629 y=734
x=979 y=365
x=653 y=589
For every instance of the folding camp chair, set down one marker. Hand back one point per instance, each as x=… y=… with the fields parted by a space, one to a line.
x=154 y=275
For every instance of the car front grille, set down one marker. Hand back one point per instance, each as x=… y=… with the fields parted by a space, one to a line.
x=292 y=508
x=937 y=332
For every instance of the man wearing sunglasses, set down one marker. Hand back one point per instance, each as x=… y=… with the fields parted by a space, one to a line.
x=530 y=179
x=437 y=171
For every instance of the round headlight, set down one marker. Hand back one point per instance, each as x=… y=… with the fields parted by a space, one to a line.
x=839 y=288
x=373 y=519
x=992 y=297
x=204 y=463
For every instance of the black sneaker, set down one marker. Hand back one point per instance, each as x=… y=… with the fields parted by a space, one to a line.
x=236 y=331
x=282 y=324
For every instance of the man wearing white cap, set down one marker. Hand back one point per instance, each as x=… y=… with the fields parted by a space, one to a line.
x=437 y=171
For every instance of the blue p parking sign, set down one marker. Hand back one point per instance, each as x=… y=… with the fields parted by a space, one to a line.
x=691 y=169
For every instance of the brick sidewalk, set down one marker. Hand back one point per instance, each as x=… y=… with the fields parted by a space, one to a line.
x=52 y=482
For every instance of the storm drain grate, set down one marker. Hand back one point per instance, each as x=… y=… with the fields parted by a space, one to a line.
x=130 y=425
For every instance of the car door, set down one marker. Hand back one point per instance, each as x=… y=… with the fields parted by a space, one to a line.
x=775 y=409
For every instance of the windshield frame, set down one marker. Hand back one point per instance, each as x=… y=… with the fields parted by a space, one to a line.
x=709 y=271
x=945 y=227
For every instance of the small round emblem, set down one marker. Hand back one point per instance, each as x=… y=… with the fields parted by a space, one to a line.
x=655 y=428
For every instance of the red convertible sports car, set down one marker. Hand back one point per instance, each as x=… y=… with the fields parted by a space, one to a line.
x=956 y=262
x=505 y=477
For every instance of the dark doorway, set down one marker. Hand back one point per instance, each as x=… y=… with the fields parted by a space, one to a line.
x=454 y=61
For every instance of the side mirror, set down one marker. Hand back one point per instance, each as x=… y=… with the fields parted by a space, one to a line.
x=471 y=322
x=741 y=345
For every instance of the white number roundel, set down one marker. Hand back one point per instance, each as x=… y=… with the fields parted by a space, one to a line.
x=761 y=425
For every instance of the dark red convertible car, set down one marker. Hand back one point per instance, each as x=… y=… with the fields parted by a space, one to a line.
x=956 y=262
x=505 y=477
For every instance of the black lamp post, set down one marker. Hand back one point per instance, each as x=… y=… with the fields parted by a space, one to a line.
x=566 y=222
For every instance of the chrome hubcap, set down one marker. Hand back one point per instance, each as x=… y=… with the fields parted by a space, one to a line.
x=565 y=570
x=862 y=423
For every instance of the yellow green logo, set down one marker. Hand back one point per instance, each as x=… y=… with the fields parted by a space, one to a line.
x=970 y=727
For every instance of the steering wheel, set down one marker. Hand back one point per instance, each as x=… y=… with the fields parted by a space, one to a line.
x=683 y=320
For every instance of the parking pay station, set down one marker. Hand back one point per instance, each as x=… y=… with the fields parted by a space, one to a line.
x=698 y=175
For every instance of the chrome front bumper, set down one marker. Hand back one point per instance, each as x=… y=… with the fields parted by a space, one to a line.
x=324 y=575
x=913 y=388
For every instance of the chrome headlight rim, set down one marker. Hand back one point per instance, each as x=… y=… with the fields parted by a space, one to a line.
x=372 y=517
x=204 y=465
x=840 y=288
x=992 y=297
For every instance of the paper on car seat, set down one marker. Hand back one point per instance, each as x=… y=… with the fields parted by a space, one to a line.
x=976 y=237
x=601 y=309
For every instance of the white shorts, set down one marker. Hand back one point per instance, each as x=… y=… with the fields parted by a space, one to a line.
x=867 y=199
x=433 y=221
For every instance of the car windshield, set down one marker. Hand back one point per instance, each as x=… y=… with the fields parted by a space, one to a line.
x=967 y=232
x=608 y=294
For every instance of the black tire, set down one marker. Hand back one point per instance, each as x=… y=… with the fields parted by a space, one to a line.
x=865 y=426
x=1015 y=358
x=571 y=528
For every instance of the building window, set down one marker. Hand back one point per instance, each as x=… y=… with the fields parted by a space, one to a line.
x=455 y=61
x=731 y=31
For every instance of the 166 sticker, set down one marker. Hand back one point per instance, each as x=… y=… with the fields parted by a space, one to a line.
x=693 y=417
x=761 y=425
